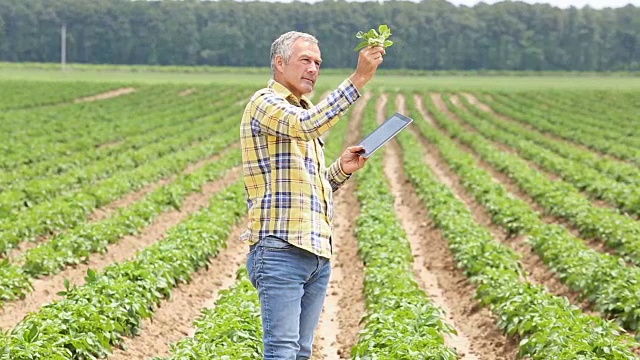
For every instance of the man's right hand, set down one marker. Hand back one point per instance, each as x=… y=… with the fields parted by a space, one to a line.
x=369 y=59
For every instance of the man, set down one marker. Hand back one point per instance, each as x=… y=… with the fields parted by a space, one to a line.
x=289 y=189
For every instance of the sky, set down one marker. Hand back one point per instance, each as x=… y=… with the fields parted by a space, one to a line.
x=596 y=4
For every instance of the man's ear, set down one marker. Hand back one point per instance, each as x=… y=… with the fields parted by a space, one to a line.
x=279 y=61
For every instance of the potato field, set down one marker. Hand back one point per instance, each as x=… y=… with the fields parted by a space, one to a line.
x=500 y=225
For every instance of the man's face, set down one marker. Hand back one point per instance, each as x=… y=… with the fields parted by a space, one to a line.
x=299 y=75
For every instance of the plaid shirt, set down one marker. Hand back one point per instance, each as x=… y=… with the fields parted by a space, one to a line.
x=288 y=187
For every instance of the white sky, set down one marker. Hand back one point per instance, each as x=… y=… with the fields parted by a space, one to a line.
x=596 y=4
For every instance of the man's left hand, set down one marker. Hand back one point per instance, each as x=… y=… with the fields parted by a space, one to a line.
x=351 y=160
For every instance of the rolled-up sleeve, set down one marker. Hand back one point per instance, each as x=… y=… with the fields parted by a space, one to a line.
x=336 y=175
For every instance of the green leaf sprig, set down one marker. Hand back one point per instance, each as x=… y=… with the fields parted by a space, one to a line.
x=374 y=38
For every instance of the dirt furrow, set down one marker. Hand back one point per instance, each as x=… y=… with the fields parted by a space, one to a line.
x=344 y=305
x=478 y=337
x=537 y=271
x=187 y=92
x=106 y=95
x=513 y=187
x=455 y=100
x=106 y=211
x=486 y=108
x=415 y=229
x=111 y=144
x=173 y=320
x=45 y=289
x=550 y=174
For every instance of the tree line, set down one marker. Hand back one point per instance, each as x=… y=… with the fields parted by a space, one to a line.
x=428 y=35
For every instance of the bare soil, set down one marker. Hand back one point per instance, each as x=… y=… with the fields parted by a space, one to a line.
x=551 y=175
x=106 y=95
x=344 y=305
x=514 y=188
x=106 y=211
x=435 y=268
x=486 y=108
x=111 y=144
x=503 y=147
x=173 y=320
x=45 y=289
x=535 y=268
x=187 y=92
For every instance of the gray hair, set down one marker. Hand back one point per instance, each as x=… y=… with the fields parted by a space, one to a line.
x=283 y=46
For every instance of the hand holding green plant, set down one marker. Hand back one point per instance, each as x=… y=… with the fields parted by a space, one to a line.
x=374 y=38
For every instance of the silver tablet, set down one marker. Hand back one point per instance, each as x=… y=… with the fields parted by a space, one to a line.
x=384 y=133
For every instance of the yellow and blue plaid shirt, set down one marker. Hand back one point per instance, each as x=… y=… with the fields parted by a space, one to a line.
x=288 y=187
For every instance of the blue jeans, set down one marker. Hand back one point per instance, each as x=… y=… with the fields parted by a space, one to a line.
x=292 y=284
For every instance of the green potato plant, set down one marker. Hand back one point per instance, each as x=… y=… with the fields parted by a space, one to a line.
x=374 y=38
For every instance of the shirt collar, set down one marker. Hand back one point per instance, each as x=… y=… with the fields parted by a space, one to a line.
x=285 y=93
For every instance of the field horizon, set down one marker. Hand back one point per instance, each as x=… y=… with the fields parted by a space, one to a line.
x=385 y=79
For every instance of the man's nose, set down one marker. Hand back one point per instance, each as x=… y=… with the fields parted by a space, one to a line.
x=313 y=68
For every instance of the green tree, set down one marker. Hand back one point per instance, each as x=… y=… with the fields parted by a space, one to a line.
x=429 y=34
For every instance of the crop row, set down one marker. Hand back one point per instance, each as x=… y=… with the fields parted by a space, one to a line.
x=557 y=198
x=601 y=278
x=149 y=128
x=231 y=330
x=599 y=127
x=29 y=94
x=25 y=194
x=76 y=245
x=549 y=327
x=137 y=132
x=92 y=318
x=62 y=122
x=82 y=127
x=624 y=196
x=604 y=108
x=401 y=321
x=596 y=122
x=72 y=209
x=72 y=127
x=619 y=106
x=616 y=170
x=542 y=121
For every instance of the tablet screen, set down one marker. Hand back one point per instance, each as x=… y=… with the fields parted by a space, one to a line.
x=384 y=133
